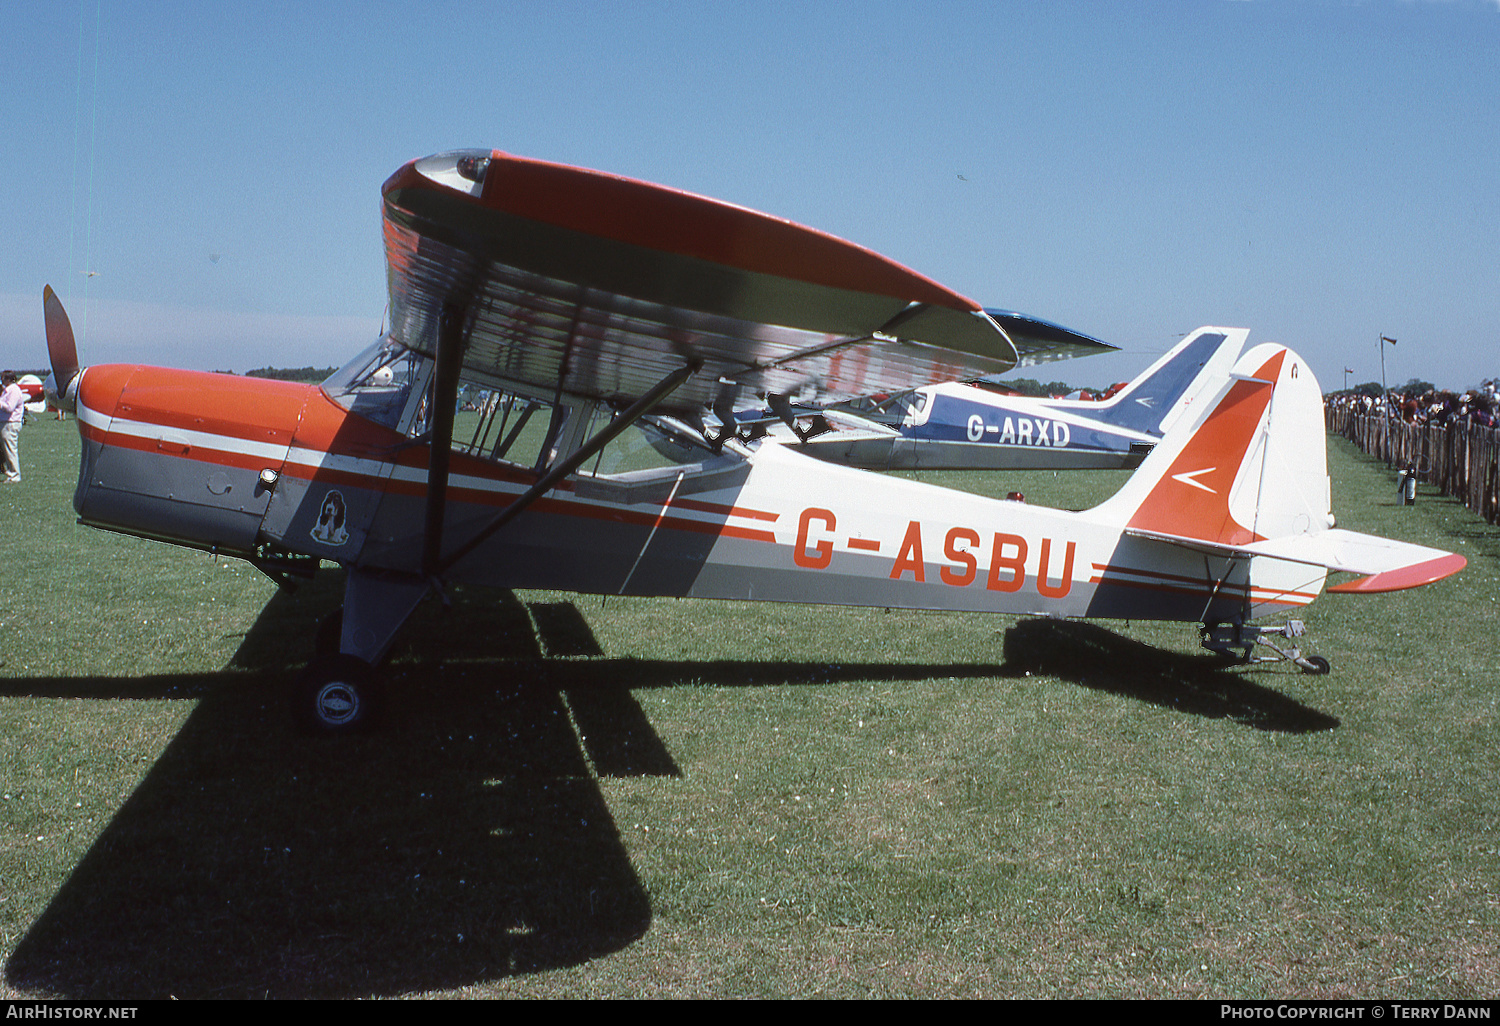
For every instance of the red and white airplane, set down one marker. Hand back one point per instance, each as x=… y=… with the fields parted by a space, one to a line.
x=534 y=419
x=36 y=398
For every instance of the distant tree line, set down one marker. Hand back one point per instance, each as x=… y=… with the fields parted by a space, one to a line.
x=291 y=373
x=1030 y=386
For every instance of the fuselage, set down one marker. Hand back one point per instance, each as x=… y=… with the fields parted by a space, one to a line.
x=244 y=466
x=958 y=426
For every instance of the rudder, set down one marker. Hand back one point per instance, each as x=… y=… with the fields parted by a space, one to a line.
x=1250 y=465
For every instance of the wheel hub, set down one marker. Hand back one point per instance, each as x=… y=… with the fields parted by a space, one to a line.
x=337 y=702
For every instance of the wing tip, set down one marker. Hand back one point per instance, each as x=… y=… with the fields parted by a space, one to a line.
x=1414 y=576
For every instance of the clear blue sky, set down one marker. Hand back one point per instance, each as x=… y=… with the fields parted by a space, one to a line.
x=1319 y=171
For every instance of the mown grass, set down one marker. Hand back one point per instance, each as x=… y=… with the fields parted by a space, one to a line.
x=582 y=798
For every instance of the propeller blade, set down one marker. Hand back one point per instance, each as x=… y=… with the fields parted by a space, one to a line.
x=60 y=346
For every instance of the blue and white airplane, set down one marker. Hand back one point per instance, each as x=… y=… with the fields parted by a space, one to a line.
x=957 y=426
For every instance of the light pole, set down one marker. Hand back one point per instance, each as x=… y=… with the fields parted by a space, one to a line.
x=1385 y=398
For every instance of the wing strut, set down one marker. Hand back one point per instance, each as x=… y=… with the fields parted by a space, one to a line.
x=562 y=468
x=444 y=398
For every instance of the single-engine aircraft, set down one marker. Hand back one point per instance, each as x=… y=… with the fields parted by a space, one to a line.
x=968 y=426
x=36 y=398
x=533 y=419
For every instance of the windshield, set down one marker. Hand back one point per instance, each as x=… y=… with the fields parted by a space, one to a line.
x=375 y=383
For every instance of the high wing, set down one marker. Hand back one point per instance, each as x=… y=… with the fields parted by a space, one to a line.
x=603 y=287
x=1038 y=341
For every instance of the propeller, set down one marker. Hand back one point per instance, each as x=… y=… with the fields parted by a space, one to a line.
x=61 y=383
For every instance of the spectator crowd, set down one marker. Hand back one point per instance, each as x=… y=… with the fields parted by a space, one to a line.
x=1428 y=406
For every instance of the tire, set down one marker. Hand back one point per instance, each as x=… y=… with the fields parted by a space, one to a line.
x=1317 y=666
x=337 y=695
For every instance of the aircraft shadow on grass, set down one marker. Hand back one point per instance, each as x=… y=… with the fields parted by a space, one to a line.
x=1201 y=684
x=467 y=841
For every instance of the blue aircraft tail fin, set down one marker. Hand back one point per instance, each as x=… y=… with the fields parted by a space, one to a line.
x=1158 y=396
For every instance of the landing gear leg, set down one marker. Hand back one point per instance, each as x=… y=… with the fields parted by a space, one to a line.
x=330 y=634
x=339 y=692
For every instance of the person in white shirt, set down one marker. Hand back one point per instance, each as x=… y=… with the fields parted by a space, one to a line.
x=12 y=413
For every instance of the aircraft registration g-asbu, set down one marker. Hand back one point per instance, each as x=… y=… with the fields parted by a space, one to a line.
x=962 y=426
x=534 y=419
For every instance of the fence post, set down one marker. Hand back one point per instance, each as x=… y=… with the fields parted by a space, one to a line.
x=1463 y=459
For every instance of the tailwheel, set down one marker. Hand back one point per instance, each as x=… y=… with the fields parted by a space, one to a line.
x=337 y=694
x=1314 y=664
x=1223 y=639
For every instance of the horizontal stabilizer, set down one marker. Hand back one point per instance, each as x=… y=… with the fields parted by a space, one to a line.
x=1389 y=565
x=1350 y=552
x=1410 y=575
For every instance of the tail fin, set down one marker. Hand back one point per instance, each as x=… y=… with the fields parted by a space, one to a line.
x=1247 y=475
x=1164 y=392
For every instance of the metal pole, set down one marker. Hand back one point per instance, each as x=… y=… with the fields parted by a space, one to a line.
x=1385 y=403
x=440 y=416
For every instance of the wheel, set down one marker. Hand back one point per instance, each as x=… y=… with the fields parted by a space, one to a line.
x=1316 y=665
x=337 y=695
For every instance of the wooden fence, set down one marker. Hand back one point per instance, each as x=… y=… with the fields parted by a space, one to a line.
x=1461 y=458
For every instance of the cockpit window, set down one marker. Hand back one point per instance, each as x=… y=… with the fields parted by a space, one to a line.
x=391 y=385
x=890 y=410
x=376 y=383
x=533 y=432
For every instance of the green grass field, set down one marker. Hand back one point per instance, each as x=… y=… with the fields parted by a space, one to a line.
x=657 y=798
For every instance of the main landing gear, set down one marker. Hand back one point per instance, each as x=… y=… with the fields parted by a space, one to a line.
x=337 y=694
x=1225 y=638
x=340 y=692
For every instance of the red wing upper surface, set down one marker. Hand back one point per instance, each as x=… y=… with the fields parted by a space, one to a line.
x=602 y=286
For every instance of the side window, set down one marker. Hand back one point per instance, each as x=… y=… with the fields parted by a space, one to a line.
x=650 y=444
x=901 y=408
x=915 y=404
x=498 y=425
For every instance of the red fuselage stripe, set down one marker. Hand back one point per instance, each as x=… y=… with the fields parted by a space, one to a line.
x=227 y=457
